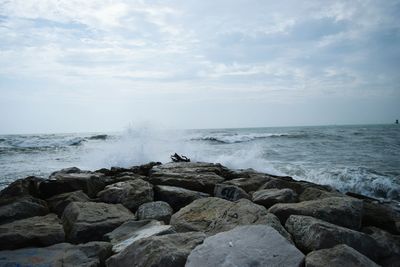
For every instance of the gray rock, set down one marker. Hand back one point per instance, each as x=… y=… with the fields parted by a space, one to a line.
x=58 y=203
x=158 y=210
x=36 y=231
x=343 y=211
x=22 y=187
x=132 y=231
x=246 y=246
x=382 y=216
x=273 y=221
x=313 y=234
x=251 y=183
x=131 y=194
x=165 y=251
x=338 y=256
x=297 y=186
x=213 y=215
x=12 y=209
x=190 y=175
x=86 y=255
x=311 y=193
x=230 y=192
x=89 y=221
x=177 y=197
x=270 y=197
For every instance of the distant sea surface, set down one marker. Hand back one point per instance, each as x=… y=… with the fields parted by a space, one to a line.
x=363 y=158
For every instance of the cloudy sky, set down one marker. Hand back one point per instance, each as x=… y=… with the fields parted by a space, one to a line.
x=88 y=65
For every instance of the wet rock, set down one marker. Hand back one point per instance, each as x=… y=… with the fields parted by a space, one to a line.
x=251 y=245
x=270 y=197
x=131 y=194
x=381 y=216
x=132 y=231
x=190 y=175
x=158 y=210
x=230 y=192
x=167 y=250
x=251 y=183
x=58 y=203
x=312 y=193
x=343 y=211
x=313 y=234
x=98 y=183
x=213 y=215
x=12 y=209
x=89 y=221
x=273 y=221
x=92 y=254
x=22 y=187
x=145 y=168
x=177 y=197
x=35 y=231
x=297 y=186
x=338 y=256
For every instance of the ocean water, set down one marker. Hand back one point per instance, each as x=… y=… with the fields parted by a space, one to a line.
x=363 y=158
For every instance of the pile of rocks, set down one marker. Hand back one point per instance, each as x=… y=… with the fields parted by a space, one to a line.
x=191 y=214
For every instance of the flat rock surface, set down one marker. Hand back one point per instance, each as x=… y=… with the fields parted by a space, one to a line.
x=131 y=193
x=177 y=197
x=343 y=211
x=35 y=231
x=58 y=203
x=313 y=234
x=213 y=215
x=132 y=231
x=246 y=246
x=338 y=256
x=21 y=208
x=230 y=192
x=158 y=210
x=251 y=183
x=270 y=197
x=64 y=254
x=89 y=221
x=167 y=251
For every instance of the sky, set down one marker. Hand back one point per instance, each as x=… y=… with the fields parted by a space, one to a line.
x=86 y=66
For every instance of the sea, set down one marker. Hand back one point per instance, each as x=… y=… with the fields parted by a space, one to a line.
x=363 y=159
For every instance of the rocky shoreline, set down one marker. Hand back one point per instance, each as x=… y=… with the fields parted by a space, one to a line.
x=191 y=214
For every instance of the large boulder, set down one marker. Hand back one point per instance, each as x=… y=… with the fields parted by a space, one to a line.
x=36 y=231
x=312 y=193
x=273 y=221
x=343 y=211
x=16 y=208
x=297 y=186
x=167 y=250
x=89 y=221
x=338 y=256
x=382 y=216
x=177 y=197
x=131 y=194
x=213 y=215
x=193 y=176
x=58 y=203
x=92 y=254
x=246 y=246
x=230 y=192
x=313 y=234
x=132 y=231
x=22 y=187
x=251 y=183
x=270 y=197
x=158 y=210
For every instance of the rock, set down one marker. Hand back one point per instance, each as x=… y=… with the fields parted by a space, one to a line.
x=230 y=192
x=132 y=231
x=213 y=215
x=313 y=234
x=58 y=203
x=145 y=168
x=381 y=216
x=158 y=210
x=89 y=221
x=297 y=186
x=338 y=256
x=12 y=209
x=343 y=211
x=177 y=197
x=311 y=193
x=273 y=221
x=269 y=197
x=389 y=246
x=91 y=254
x=167 y=251
x=190 y=175
x=36 y=231
x=131 y=194
x=22 y=187
x=249 y=184
x=250 y=245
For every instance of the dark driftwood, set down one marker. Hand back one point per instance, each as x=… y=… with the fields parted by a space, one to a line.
x=176 y=158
